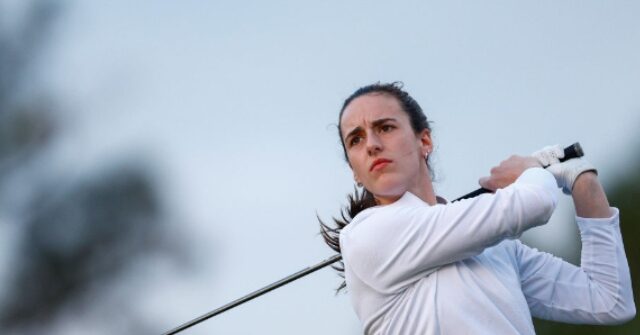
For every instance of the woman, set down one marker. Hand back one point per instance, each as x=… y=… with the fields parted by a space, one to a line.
x=415 y=265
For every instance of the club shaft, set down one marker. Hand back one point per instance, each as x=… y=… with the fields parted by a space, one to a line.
x=257 y=293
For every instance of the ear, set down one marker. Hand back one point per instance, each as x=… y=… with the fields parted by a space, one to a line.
x=425 y=142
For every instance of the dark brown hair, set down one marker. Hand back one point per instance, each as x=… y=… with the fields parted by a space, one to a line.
x=361 y=200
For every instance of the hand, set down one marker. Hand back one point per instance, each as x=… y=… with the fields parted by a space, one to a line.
x=549 y=155
x=507 y=172
x=566 y=172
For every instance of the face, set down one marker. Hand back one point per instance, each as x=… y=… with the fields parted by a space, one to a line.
x=384 y=152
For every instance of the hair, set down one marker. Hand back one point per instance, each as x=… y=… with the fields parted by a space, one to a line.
x=363 y=199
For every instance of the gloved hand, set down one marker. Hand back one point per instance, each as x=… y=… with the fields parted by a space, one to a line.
x=566 y=172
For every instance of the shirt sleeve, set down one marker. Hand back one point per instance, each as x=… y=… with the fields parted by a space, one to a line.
x=395 y=245
x=597 y=292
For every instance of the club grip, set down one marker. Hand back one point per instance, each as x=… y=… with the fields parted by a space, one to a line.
x=572 y=151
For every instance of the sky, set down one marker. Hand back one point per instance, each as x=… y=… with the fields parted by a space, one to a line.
x=234 y=106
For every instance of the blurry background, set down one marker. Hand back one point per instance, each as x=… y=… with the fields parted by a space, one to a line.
x=159 y=159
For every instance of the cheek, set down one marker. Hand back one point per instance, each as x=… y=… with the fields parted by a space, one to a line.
x=408 y=149
x=356 y=162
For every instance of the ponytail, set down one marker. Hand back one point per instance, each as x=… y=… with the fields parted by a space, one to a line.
x=357 y=202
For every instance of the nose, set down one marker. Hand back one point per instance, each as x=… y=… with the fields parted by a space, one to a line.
x=374 y=145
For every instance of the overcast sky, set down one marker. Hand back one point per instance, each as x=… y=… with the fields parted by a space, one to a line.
x=235 y=103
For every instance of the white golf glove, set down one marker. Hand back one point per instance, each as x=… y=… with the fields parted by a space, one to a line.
x=566 y=172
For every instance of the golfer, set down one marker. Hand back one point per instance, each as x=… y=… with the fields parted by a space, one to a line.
x=414 y=264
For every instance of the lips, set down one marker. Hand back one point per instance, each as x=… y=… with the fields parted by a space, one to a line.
x=379 y=164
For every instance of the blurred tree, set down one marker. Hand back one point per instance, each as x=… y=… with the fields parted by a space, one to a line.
x=624 y=194
x=76 y=236
x=25 y=125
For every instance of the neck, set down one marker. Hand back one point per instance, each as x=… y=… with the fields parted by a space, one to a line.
x=425 y=192
x=423 y=189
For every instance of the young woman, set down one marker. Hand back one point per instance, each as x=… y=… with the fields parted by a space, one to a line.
x=414 y=264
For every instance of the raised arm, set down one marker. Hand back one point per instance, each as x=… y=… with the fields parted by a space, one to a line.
x=597 y=292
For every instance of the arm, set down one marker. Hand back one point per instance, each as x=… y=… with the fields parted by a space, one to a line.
x=597 y=292
x=397 y=244
x=589 y=197
x=600 y=290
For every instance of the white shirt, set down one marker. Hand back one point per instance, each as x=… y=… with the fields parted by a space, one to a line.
x=412 y=268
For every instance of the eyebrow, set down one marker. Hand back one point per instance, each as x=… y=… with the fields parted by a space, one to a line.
x=374 y=124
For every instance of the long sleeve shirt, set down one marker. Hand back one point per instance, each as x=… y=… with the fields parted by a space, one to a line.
x=412 y=268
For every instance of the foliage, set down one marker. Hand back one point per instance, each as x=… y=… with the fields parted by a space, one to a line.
x=76 y=236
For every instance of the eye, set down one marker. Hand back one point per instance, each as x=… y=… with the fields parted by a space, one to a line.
x=355 y=140
x=385 y=128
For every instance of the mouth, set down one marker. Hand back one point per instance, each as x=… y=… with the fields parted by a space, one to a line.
x=379 y=164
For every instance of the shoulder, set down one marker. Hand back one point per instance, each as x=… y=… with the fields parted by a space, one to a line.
x=374 y=216
x=377 y=224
